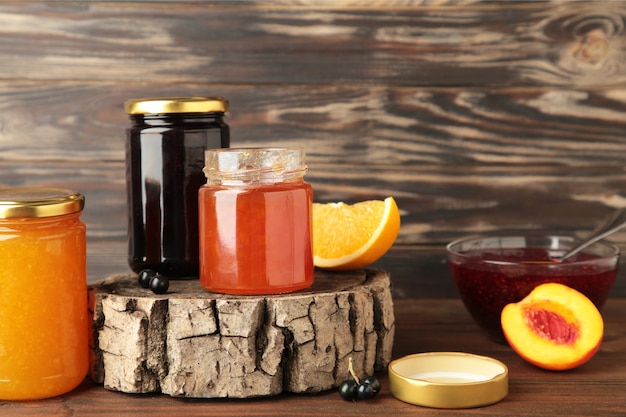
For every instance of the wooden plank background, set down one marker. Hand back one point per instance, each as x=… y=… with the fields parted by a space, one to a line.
x=475 y=115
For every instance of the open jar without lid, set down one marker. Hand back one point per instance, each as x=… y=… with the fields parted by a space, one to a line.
x=255 y=222
x=253 y=165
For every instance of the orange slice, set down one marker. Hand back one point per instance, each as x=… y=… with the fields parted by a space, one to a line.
x=353 y=236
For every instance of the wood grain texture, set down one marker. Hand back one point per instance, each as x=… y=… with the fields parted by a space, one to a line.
x=520 y=43
x=337 y=124
x=437 y=204
x=196 y=344
x=475 y=115
x=596 y=389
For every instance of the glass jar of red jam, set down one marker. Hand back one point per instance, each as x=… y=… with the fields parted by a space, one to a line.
x=164 y=159
x=255 y=222
x=43 y=293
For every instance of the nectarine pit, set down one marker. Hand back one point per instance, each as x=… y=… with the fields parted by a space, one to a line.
x=551 y=326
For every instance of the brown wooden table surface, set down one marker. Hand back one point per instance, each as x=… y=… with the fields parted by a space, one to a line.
x=595 y=389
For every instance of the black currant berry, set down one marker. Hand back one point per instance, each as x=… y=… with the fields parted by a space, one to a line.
x=348 y=390
x=373 y=382
x=365 y=392
x=353 y=388
x=159 y=284
x=145 y=276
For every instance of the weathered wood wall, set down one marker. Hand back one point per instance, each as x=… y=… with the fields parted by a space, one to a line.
x=474 y=115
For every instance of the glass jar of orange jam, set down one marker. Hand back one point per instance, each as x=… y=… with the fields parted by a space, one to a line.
x=255 y=222
x=43 y=293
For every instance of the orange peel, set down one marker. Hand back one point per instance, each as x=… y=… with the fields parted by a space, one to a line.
x=347 y=237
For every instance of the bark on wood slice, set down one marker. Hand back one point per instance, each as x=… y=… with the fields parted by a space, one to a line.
x=194 y=343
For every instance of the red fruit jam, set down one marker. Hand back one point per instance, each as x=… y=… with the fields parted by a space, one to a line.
x=489 y=279
x=255 y=222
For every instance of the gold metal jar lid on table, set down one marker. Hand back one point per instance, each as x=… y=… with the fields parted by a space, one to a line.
x=448 y=380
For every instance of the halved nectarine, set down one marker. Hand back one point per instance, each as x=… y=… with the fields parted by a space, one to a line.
x=555 y=327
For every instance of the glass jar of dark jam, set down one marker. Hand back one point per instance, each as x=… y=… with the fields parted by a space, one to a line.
x=164 y=161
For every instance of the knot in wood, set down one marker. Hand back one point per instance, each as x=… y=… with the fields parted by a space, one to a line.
x=593 y=47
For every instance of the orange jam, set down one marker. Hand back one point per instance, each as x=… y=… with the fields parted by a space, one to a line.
x=255 y=222
x=43 y=293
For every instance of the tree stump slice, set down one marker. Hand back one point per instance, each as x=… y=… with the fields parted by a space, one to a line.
x=193 y=343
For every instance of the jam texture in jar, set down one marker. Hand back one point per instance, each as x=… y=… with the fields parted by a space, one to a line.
x=491 y=272
x=255 y=222
x=43 y=293
x=164 y=160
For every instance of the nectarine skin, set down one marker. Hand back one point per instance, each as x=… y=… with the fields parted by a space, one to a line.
x=555 y=327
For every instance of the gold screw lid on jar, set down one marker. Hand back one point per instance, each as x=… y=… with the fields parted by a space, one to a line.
x=448 y=380
x=162 y=105
x=39 y=202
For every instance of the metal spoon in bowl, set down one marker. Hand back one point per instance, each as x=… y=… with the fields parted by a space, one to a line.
x=612 y=225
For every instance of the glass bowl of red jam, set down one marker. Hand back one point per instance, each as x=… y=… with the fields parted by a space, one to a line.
x=493 y=271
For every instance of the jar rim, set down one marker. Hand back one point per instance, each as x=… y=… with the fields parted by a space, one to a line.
x=160 y=105
x=37 y=202
x=253 y=164
x=463 y=248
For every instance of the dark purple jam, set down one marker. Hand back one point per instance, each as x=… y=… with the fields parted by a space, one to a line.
x=164 y=159
x=486 y=288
